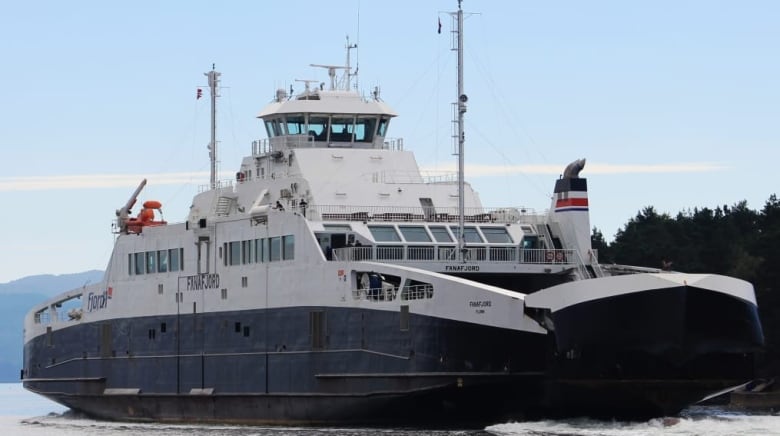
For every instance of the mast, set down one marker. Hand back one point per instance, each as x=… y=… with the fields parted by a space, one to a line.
x=461 y=104
x=213 y=77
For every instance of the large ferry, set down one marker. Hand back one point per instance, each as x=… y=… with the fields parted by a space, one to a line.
x=331 y=282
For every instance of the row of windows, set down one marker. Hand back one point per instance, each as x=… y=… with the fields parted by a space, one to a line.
x=493 y=235
x=336 y=128
x=159 y=261
x=258 y=250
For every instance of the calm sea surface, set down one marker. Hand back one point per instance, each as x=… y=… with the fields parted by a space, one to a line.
x=23 y=414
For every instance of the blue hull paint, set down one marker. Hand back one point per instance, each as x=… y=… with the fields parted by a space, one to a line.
x=363 y=363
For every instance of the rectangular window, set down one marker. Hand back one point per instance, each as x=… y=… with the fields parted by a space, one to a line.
x=130 y=263
x=162 y=261
x=383 y=126
x=384 y=233
x=252 y=251
x=415 y=233
x=235 y=253
x=342 y=129
x=224 y=293
x=470 y=234
x=258 y=250
x=276 y=248
x=496 y=235
x=151 y=262
x=289 y=247
x=264 y=243
x=244 y=252
x=441 y=234
x=295 y=124
x=224 y=249
x=364 y=129
x=140 y=263
x=173 y=259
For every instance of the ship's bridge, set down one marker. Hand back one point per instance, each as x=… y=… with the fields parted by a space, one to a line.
x=326 y=118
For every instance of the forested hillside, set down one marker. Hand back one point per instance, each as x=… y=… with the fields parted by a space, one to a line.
x=730 y=240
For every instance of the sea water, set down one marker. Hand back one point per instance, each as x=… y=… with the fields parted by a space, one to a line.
x=25 y=414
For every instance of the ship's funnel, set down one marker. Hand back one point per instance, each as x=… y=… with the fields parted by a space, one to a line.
x=569 y=210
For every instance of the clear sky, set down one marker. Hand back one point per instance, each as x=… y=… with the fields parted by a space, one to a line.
x=675 y=104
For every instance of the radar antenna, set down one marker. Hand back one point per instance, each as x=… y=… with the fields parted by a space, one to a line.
x=346 y=80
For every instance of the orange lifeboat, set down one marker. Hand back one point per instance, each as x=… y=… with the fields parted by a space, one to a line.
x=145 y=217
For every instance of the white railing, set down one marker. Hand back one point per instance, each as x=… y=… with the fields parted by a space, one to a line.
x=438 y=254
x=374 y=294
x=394 y=144
x=225 y=183
x=266 y=145
x=416 y=292
x=329 y=212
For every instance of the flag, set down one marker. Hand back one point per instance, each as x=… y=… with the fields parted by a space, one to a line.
x=439 y=25
x=200 y=92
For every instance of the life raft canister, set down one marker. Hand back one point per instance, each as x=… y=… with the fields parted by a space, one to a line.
x=152 y=204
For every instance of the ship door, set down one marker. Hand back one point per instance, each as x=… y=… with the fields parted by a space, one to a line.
x=203 y=254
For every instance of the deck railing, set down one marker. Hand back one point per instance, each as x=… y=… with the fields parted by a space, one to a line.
x=438 y=254
x=328 y=212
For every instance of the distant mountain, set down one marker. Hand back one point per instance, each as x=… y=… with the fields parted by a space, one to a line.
x=50 y=285
x=16 y=299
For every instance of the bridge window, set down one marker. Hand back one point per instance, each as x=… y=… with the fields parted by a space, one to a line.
x=318 y=126
x=273 y=128
x=342 y=129
x=415 y=233
x=496 y=235
x=295 y=124
x=383 y=122
x=384 y=233
x=441 y=234
x=364 y=129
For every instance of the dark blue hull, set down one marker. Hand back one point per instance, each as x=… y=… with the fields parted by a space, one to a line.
x=301 y=365
x=613 y=357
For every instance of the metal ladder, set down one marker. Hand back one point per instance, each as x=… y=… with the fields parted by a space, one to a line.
x=223 y=206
